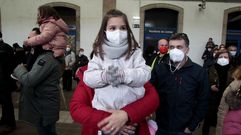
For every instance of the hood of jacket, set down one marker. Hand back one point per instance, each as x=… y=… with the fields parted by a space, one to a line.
x=60 y=22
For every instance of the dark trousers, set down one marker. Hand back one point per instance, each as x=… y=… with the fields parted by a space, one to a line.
x=46 y=130
x=67 y=80
x=8 y=117
x=206 y=127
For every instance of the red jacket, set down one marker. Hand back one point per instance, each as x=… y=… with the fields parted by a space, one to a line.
x=82 y=112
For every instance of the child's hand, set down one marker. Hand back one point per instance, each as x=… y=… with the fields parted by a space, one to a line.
x=128 y=129
x=109 y=75
x=112 y=69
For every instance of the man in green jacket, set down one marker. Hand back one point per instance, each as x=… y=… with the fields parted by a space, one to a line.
x=39 y=100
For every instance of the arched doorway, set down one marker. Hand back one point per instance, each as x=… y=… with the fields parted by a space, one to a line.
x=71 y=15
x=159 y=21
x=156 y=28
x=231 y=28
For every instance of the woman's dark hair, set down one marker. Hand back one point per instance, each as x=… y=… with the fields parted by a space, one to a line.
x=1 y=34
x=221 y=52
x=91 y=54
x=97 y=46
x=44 y=12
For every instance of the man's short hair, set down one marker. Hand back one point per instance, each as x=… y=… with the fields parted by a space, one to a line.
x=164 y=39
x=180 y=36
x=1 y=34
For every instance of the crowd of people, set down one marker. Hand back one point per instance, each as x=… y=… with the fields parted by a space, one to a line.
x=120 y=88
x=220 y=62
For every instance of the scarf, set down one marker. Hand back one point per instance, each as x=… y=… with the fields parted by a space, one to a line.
x=114 y=52
x=222 y=75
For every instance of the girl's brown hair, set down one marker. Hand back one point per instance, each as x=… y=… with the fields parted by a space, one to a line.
x=44 y=12
x=132 y=43
x=237 y=73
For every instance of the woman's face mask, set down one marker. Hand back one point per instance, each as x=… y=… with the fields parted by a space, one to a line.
x=222 y=61
x=176 y=55
x=81 y=53
x=67 y=49
x=116 y=37
x=232 y=53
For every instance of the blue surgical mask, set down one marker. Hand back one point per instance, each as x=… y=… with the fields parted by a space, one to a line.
x=232 y=53
x=223 y=61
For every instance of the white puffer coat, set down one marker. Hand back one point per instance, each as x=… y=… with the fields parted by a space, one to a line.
x=137 y=73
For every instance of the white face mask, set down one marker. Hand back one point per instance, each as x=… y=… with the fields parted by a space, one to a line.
x=67 y=49
x=81 y=53
x=214 y=55
x=232 y=53
x=223 y=61
x=176 y=55
x=209 y=49
x=116 y=37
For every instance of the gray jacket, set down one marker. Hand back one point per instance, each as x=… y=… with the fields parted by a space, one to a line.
x=40 y=100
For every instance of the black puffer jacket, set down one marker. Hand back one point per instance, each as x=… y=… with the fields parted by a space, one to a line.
x=183 y=96
x=6 y=67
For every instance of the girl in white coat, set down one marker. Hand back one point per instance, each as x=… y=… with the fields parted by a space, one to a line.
x=117 y=70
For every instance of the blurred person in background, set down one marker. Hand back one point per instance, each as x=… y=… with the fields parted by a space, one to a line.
x=81 y=60
x=7 y=122
x=69 y=63
x=233 y=51
x=163 y=49
x=219 y=77
x=208 y=55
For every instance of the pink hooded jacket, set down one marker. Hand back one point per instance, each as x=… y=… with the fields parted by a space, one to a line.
x=232 y=123
x=53 y=36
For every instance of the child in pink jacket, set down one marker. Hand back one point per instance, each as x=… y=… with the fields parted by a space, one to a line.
x=53 y=32
x=232 y=120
